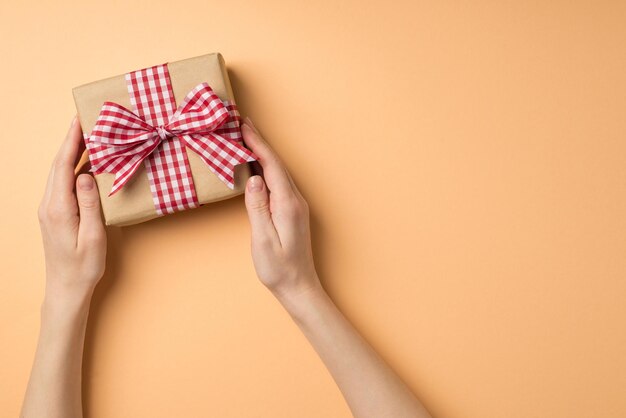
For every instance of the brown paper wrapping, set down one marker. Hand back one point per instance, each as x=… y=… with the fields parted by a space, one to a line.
x=133 y=203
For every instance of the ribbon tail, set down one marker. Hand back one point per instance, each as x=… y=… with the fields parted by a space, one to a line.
x=220 y=154
x=125 y=166
x=122 y=176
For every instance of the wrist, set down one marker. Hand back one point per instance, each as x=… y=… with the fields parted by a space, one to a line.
x=304 y=301
x=64 y=315
x=63 y=321
x=63 y=299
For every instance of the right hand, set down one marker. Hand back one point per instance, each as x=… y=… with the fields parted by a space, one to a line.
x=279 y=218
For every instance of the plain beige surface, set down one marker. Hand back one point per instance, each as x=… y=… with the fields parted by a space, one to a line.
x=465 y=165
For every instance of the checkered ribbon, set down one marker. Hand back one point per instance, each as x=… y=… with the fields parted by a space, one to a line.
x=157 y=134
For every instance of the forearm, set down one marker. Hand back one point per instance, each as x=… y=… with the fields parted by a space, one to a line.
x=369 y=385
x=54 y=388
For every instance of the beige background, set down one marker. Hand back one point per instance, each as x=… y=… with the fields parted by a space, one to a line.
x=465 y=165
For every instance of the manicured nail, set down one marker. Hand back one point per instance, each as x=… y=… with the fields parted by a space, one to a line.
x=255 y=184
x=85 y=182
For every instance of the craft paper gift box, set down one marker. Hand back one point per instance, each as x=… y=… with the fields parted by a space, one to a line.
x=143 y=196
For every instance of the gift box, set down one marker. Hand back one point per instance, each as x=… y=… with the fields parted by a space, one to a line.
x=163 y=139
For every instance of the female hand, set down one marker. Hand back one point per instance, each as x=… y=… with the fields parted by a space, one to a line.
x=279 y=218
x=74 y=237
x=281 y=251
x=74 y=242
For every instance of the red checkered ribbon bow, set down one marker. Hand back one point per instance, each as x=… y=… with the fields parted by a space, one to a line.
x=157 y=134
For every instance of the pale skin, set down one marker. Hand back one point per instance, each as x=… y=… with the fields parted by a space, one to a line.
x=74 y=239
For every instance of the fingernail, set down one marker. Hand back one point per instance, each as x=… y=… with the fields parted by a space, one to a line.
x=255 y=184
x=85 y=182
x=74 y=121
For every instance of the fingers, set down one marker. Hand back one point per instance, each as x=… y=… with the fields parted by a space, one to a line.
x=91 y=228
x=286 y=200
x=273 y=171
x=48 y=191
x=293 y=185
x=62 y=183
x=81 y=155
x=258 y=206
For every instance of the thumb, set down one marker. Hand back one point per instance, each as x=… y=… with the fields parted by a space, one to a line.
x=258 y=206
x=89 y=206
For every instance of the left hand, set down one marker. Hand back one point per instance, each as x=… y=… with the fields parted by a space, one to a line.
x=74 y=237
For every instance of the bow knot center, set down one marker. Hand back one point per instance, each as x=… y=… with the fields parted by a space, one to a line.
x=163 y=133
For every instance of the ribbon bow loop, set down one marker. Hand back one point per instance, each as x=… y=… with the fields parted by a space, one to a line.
x=201 y=112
